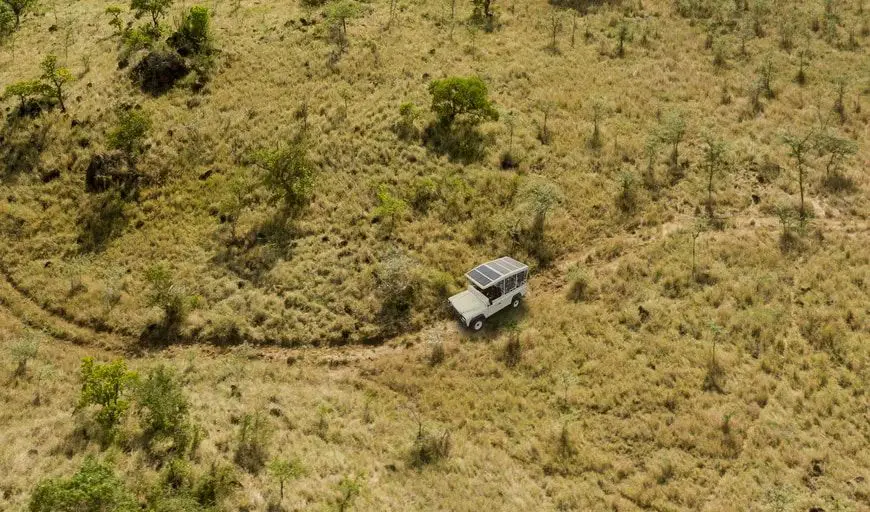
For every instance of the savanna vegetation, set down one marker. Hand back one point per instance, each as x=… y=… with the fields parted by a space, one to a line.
x=229 y=230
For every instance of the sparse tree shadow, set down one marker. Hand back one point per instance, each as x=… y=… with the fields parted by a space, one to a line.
x=461 y=142
x=101 y=220
x=253 y=254
x=21 y=146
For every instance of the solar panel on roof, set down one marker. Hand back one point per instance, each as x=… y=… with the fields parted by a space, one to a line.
x=499 y=267
x=509 y=263
x=480 y=278
x=488 y=272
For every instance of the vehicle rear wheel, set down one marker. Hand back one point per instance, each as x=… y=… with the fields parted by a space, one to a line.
x=477 y=324
x=515 y=303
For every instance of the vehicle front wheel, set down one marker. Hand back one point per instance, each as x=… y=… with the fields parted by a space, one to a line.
x=477 y=324
x=515 y=303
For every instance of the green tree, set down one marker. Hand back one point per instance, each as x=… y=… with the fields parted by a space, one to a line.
x=18 y=8
x=106 y=385
x=799 y=148
x=457 y=96
x=24 y=91
x=836 y=149
x=130 y=132
x=94 y=488
x=115 y=12
x=55 y=78
x=288 y=175
x=163 y=406
x=390 y=207
x=338 y=13
x=283 y=469
x=154 y=8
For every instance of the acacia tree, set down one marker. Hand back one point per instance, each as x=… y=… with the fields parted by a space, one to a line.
x=799 y=147
x=154 y=8
x=283 y=470
x=55 y=79
x=18 y=8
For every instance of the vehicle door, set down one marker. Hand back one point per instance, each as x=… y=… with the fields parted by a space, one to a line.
x=498 y=298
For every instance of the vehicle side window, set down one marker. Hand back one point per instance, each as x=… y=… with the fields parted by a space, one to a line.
x=522 y=277
x=510 y=283
x=493 y=292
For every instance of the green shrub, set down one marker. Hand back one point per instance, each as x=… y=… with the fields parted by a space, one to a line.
x=22 y=351
x=163 y=406
x=254 y=438
x=94 y=488
x=107 y=386
x=15 y=9
x=348 y=489
x=390 y=207
x=194 y=33
x=429 y=448
x=215 y=486
x=168 y=295
x=130 y=132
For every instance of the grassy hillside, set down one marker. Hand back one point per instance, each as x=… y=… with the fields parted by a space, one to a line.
x=688 y=344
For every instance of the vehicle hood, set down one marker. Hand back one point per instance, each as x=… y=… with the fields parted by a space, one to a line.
x=467 y=304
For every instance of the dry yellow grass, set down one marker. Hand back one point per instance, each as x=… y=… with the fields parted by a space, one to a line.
x=610 y=407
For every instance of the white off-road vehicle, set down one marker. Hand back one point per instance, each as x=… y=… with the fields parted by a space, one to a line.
x=492 y=287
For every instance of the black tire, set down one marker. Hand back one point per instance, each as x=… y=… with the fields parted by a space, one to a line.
x=515 y=302
x=477 y=324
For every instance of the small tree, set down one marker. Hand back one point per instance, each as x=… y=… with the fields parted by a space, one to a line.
x=799 y=147
x=154 y=8
x=106 y=385
x=25 y=91
x=457 y=96
x=672 y=132
x=22 y=351
x=114 y=12
x=94 y=488
x=254 y=438
x=130 y=132
x=163 y=406
x=288 y=175
x=714 y=162
x=621 y=37
x=390 y=207
x=18 y=8
x=338 y=13
x=55 y=78
x=836 y=150
x=348 y=489
x=285 y=469
x=168 y=295
x=539 y=198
